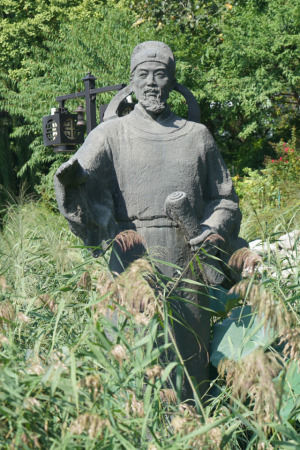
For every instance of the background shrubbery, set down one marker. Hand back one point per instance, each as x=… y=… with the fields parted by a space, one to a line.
x=240 y=59
x=275 y=184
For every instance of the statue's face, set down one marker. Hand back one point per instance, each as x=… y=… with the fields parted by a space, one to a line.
x=152 y=84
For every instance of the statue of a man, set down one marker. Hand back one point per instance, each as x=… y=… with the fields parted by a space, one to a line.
x=121 y=176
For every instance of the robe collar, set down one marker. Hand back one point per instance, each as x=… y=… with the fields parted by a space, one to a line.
x=166 y=123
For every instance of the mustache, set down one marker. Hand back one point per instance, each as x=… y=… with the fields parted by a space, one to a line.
x=148 y=90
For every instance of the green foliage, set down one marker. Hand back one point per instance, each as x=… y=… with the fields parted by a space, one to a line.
x=188 y=14
x=70 y=374
x=23 y=28
x=256 y=73
x=41 y=240
x=274 y=185
x=58 y=68
x=264 y=332
x=238 y=336
x=241 y=61
x=7 y=175
x=80 y=369
x=291 y=396
x=29 y=31
x=25 y=24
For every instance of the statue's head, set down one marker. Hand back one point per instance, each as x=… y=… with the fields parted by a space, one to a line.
x=152 y=74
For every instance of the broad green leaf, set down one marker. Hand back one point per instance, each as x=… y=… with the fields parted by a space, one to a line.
x=238 y=336
x=291 y=398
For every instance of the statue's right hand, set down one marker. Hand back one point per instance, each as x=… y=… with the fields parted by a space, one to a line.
x=71 y=173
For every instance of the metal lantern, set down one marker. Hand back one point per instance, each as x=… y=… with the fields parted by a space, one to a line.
x=63 y=130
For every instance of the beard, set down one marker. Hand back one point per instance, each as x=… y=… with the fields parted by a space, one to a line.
x=151 y=100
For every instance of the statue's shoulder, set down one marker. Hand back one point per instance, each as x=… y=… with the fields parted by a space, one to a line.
x=198 y=127
x=108 y=127
x=201 y=130
x=103 y=133
x=201 y=135
x=99 y=141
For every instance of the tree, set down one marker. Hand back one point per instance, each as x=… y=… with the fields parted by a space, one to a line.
x=102 y=47
x=241 y=59
x=29 y=29
x=254 y=78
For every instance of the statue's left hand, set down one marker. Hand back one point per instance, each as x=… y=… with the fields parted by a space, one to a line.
x=208 y=240
x=198 y=242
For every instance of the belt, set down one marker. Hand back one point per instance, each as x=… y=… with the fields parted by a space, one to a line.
x=155 y=222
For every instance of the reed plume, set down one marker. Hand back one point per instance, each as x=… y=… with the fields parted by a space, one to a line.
x=92 y=424
x=290 y=338
x=270 y=306
x=252 y=377
x=132 y=289
x=244 y=261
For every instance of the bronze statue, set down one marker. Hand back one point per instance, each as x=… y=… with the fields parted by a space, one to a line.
x=124 y=172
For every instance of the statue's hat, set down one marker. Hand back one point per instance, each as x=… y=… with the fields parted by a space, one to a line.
x=152 y=51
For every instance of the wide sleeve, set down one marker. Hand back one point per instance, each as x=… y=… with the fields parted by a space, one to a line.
x=87 y=203
x=221 y=203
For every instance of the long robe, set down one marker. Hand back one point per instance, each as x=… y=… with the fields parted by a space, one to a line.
x=132 y=164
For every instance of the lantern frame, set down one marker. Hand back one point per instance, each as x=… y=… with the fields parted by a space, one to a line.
x=61 y=129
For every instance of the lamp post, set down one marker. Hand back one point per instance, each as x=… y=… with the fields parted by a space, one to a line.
x=63 y=130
